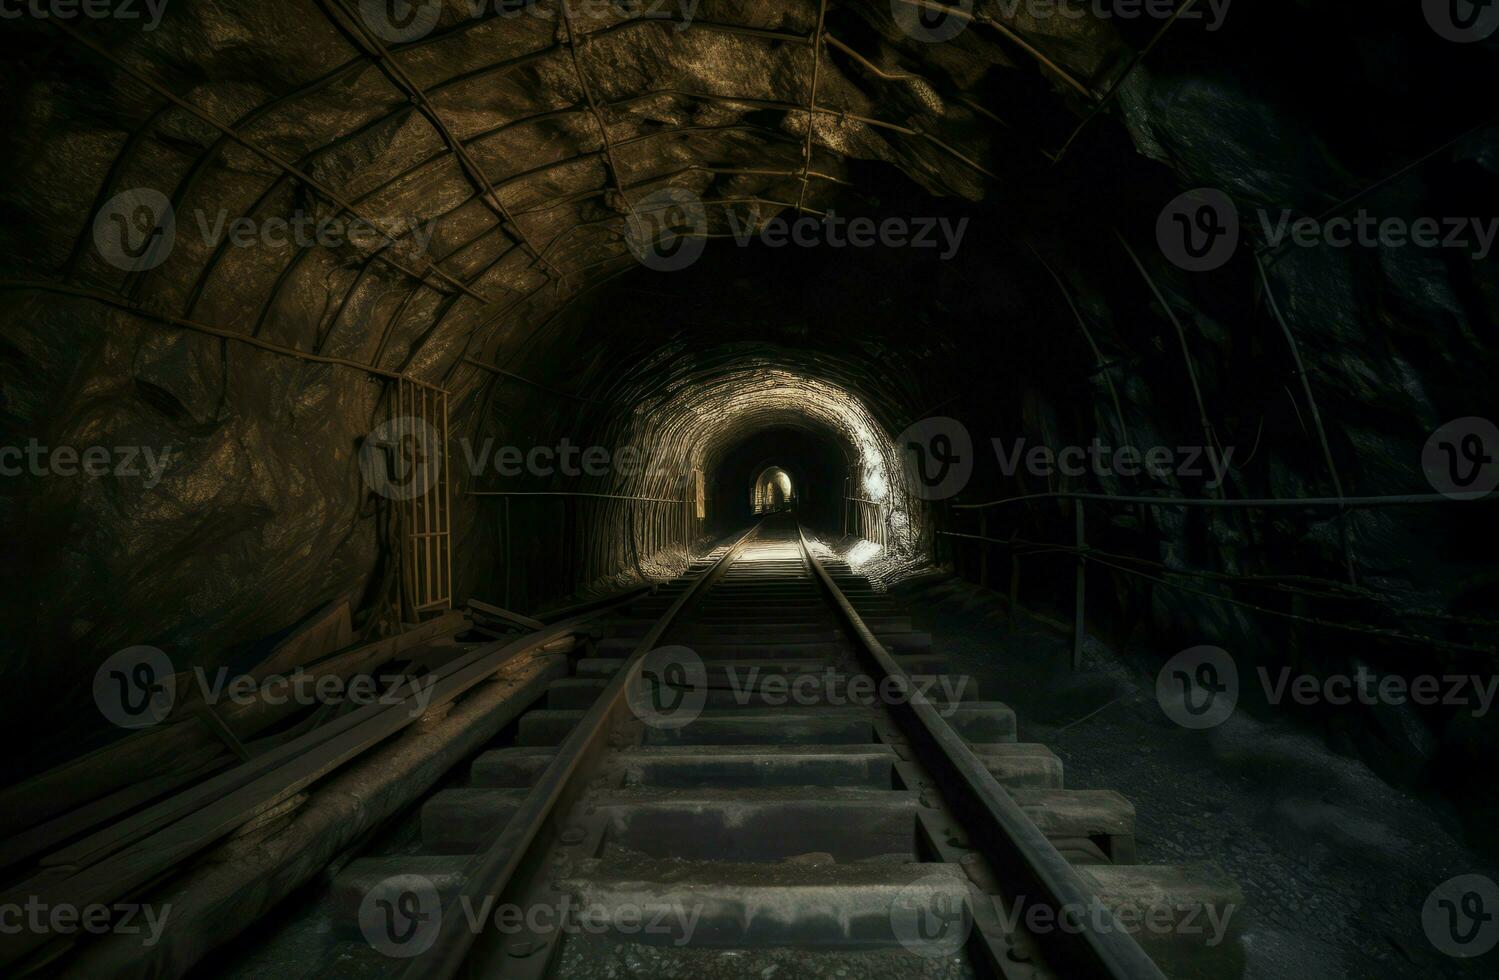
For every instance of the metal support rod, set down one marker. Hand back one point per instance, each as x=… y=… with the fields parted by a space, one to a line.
x=822 y=12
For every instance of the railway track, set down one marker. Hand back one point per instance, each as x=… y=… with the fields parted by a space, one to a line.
x=762 y=770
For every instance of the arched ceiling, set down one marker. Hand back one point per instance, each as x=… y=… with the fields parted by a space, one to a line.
x=519 y=140
x=515 y=143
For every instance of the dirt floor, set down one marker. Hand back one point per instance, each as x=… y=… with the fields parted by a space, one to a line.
x=1336 y=865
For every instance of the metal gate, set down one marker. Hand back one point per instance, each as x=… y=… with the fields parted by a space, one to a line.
x=421 y=437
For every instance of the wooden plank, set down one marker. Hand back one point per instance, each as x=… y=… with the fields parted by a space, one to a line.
x=113 y=767
x=511 y=617
x=150 y=843
x=239 y=880
x=327 y=631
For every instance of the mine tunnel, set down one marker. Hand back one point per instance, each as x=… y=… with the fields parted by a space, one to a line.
x=766 y=488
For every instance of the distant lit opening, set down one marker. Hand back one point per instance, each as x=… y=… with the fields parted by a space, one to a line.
x=772 y=491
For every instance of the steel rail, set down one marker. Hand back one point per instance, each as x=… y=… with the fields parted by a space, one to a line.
x=499 y=867
x=1027 y=864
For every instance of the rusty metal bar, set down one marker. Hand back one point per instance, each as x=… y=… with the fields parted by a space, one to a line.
x=1020 y=854
x=1108 y=97
x=593 y=106
x=146 y=312
x=423 y=102
x=1015 y=37
x=502 y=864
x=290 y=168
x=822 y=13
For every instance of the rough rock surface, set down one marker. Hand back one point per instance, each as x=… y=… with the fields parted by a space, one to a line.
x=261 y=517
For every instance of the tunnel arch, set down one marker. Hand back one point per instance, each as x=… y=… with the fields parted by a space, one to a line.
x=523 y=151
x=773 y=490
